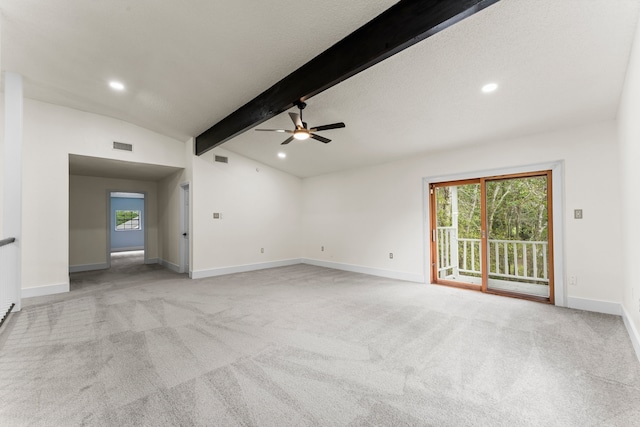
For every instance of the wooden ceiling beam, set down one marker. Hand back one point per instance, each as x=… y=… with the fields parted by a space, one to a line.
x=404 y=24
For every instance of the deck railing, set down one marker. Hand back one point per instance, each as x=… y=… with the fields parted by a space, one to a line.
x=8 y=277
x=520 y=260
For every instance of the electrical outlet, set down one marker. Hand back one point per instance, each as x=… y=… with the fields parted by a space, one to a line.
x=322 y=248
x=216 y=215
x=390 y=255
x=573 y=281
x=577 y=213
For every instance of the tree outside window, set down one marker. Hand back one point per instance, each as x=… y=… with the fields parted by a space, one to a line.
x=128 y=220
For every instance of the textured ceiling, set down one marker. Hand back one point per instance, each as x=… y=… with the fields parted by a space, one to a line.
x=187 y=65
x=558 y=64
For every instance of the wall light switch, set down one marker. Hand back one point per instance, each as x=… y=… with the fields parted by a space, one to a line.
x=216 y=215
x=390 y=255
x=322 y=248
x=577 y=213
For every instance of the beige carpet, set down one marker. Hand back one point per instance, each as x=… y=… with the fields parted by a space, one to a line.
x=307 y=346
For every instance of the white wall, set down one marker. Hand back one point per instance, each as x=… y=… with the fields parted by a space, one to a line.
x=359 y=216
x=629 y=123
x=169 y=218
x=260 y=208
x=2 y=236
x=51 y=133
x=88 y=219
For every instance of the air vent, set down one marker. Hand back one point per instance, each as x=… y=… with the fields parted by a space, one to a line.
x=222 y=159
x=122 y=146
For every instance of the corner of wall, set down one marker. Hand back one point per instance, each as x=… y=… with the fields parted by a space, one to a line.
x=632 y=330
x=628 y=135
x=379 y=272
x=222 y=271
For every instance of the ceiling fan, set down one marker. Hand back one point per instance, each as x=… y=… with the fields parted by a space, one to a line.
x=302 y=132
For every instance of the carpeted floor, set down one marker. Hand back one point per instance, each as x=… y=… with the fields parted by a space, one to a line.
x=307 y=346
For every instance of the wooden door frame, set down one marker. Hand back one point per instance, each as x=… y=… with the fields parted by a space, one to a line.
x=433 y=242
x=484 y=259
x=551 y=298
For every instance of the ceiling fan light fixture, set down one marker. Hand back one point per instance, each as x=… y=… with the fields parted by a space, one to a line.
x=303 y=132
x=301 y=135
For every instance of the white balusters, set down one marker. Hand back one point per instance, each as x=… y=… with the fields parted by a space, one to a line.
x=522 y=255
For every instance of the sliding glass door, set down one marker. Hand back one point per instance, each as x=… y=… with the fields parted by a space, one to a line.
x=494 y=234
x=518 y=235
x=456 y=235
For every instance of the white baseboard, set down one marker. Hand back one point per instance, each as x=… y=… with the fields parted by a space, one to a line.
x=152 y=261
x=201 y=274
x=169 y=265
x=398 y=275
x=40 y=291
x=606 y=307
x=633 y=332
x=88 y=267
x=128 y=249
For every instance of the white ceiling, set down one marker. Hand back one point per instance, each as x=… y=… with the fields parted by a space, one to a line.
x=187 y=65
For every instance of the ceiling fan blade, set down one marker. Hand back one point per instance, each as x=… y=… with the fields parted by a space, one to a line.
x=295 y=117
x=276 y=130
x=327 y=127
x=321 y=138
x=288 y=140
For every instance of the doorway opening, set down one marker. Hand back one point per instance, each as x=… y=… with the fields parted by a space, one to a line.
x=494 y=234
x=126 y=243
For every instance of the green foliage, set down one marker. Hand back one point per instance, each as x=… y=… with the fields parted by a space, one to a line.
x=516 y=209
x=124 y=216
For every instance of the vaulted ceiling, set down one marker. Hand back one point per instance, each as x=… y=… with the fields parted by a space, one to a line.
x=187 y=65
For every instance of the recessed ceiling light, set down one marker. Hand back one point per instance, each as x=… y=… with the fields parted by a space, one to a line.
x=489 y=87
x=116 y=85
x=282 y=155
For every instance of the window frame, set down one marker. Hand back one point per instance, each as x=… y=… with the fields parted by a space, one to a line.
x=139 y=217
